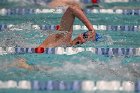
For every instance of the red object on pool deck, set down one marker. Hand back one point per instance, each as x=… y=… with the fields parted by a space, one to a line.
x=39 y=50
x=94 y=1
x=57 y=27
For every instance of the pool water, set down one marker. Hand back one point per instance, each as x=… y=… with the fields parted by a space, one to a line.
x=78 y=63
x=81 y=66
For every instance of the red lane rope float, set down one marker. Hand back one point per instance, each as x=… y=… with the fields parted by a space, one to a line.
x=57 y=27
x=94 y=1
x=39 y=50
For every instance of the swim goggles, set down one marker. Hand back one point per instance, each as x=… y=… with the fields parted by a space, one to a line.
x=97 y=36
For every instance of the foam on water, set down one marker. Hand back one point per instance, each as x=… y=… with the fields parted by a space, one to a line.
x=19 y=35
x=105 y=40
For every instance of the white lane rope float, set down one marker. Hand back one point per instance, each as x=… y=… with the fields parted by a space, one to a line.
x=86 y=85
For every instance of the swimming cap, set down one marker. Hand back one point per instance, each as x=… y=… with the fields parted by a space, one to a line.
x=97 y=37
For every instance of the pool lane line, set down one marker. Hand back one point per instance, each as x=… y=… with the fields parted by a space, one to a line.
x=76 y=85
x=72 y=51
x=46 y=27
x=26 y=11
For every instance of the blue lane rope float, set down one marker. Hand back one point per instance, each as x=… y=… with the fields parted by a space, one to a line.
x=24 y=11
x=72 y=50
x=137 y=86
x=3 y=27
x=46 y=27
x=116 y=51
x=87 y=85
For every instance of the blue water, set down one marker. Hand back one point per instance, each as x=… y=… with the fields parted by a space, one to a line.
x=81 y=66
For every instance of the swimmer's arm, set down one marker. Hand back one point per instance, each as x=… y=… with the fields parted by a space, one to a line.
x=28 y=67
x=21 y=63
x=33 y=67
x=24 y=66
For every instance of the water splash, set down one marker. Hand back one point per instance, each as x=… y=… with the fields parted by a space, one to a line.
x=99 y=70
x=22 y=35
x=105 y=40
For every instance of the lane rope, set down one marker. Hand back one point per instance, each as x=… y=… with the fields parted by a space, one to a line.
x=86 y=85
x=133 y=28
x=25 y=11
x=72 y=51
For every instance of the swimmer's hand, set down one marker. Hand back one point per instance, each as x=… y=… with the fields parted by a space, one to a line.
x=89 y=35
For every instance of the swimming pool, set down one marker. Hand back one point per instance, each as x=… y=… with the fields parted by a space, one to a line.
x=114 y=59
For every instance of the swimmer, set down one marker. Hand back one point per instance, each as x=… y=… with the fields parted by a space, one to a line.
x=73 y=11
x=22 y=63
